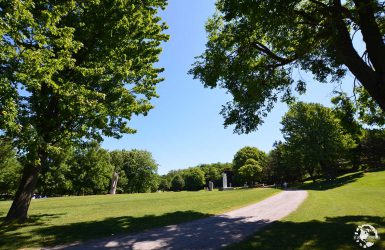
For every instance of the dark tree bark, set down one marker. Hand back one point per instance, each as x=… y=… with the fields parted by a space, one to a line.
x=19 y=209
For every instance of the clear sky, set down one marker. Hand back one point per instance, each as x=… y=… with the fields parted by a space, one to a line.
x=185 y=128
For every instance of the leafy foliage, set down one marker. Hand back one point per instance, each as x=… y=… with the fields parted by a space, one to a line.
x=240 y=160
x=73 y=71
x=10 y=168
x=315 y=138
x=91 y=171
x=371 y=149
x=282 y=166
x=138 y=171
x=177 y=183
x=213 y=172
x=194 y=179
x=254 y=47
x=369 y=112
x=251 y=170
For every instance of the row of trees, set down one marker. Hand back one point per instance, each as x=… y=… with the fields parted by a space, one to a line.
x=322 y=142
x=318 y=142
x=84 y=171
x=194 y=178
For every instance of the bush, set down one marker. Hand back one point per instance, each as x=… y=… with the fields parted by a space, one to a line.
x=194 y=179
x=177 y=183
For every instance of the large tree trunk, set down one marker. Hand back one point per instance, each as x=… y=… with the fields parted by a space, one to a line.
x=19 y=209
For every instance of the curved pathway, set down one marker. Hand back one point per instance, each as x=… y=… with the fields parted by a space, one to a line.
x=208 y=233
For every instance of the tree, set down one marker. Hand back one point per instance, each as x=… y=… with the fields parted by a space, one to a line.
x=251 y=171
x=213 y=172
x=282 y=166
x=119 y=159
x=91 y=170
x=164 y=183
x=369 y=112
x=240 y=159
x=345 y=110
x=315 y=138
x=254 y=46
x=371 y=149
x=58 y=179
x=140 y=170
x=194 y=179
x=10 y=168
x=72 y=71
x=177 y=183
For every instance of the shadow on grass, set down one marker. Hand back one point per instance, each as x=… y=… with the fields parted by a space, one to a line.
x=334 y=233
x=338 y=182
x=379 y=169
x=12 y=235
x=209 y=233
x=13 y=238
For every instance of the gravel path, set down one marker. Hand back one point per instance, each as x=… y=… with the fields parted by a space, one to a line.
x=208 y=233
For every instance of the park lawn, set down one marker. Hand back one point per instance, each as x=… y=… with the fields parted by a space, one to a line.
x=55 y=221
x=329 y=217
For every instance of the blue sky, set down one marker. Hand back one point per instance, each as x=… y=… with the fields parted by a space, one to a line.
x=185 y=128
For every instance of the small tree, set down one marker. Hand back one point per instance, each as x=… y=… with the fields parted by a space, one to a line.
x=164 y=183
x=251 y=171
x=177 y=183
x=242 y=156
x=141 y=172
x=194 y=179
x=137 y=169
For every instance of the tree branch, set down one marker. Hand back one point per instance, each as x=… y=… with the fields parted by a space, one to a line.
x=261 y=47
x=371 y=34
x=350 y=57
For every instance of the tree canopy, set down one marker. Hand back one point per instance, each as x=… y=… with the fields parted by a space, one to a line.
x=194 y=179
x=140 y=171
x=250 y=170
x=247 y=164
x=72 y=71
x=254 y=46
x=315 y=138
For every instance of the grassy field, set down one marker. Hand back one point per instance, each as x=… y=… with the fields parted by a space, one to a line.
x=328 y=218
x=68 y=219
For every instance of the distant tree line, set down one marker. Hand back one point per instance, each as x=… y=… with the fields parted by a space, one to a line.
x=85 y=170
x=319 y=142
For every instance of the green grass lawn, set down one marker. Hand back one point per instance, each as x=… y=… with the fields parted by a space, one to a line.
x=60 y=220
x=328 y=218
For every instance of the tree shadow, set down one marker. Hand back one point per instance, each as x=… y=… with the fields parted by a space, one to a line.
x=338 y=182
x=13 y=238
x=207 y=233
x=378 y=169
x=334 y=233
x=12 y=235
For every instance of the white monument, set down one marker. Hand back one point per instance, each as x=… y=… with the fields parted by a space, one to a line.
x=114 y=182
x=224 y=179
